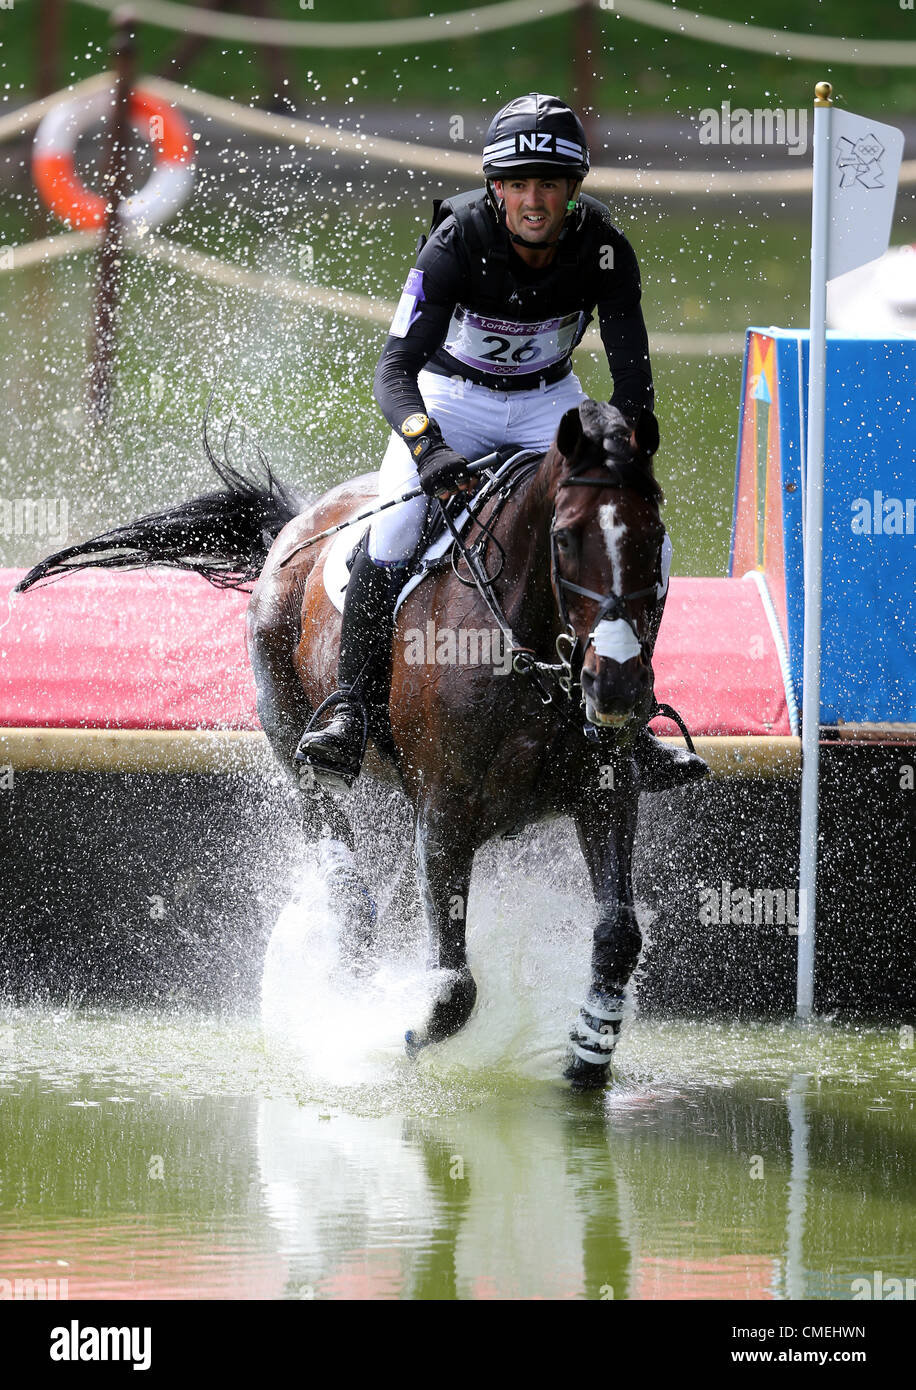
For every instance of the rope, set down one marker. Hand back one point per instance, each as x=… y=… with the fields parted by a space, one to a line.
x=313 y=136
x=25 y=117
x=776 y=42
x=353 y=305
x=308 y=33
x=454 y=164
x=779 y=643
x=219 y=272
x=50 y=248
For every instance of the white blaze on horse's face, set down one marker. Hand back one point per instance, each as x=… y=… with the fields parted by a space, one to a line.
x=614 y=639
x=613 y=532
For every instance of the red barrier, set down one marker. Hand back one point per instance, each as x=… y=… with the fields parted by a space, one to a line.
x=156 y=649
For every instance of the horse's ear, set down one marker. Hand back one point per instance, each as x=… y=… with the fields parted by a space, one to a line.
x=647 y=437
x=569 y=433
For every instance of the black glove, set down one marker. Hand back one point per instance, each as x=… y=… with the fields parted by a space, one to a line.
x=441 y=469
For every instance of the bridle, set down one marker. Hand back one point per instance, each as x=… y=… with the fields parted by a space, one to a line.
x=612 y=607
x=571 y=651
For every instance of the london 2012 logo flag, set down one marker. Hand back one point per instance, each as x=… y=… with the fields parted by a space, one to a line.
x=864 y=165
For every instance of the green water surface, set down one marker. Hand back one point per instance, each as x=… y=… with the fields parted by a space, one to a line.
x=178 y=1157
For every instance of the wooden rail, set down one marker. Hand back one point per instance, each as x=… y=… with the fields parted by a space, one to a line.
x=246 y=751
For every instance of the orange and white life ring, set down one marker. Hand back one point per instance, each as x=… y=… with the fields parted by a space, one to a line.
x=54 y=171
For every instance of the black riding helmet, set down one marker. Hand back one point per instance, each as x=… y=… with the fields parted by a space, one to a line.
x=535 y=132
x=535 y=136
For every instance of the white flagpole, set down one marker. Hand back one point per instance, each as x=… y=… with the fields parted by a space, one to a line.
x=814 y=524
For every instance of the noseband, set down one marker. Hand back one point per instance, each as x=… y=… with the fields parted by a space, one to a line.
x=612 y=607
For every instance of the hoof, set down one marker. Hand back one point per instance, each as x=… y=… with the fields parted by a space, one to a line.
x=450 y=1012
x=586 y=1076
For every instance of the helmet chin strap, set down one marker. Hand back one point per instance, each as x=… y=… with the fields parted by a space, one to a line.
x=571 y=206
x=535 y=245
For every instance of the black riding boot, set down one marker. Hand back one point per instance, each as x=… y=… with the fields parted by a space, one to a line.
x=663 y=765
x=336 y=749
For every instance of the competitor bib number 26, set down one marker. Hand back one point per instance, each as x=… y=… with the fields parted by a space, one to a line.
x=506 y=348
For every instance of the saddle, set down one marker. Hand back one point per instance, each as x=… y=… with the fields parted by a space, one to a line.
x=512 y=466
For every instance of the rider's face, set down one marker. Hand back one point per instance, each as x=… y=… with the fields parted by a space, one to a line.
x=535 y=208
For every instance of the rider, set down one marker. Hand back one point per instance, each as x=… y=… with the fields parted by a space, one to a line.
x=478 y=355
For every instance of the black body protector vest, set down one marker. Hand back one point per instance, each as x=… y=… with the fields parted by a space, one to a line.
x=515 y=332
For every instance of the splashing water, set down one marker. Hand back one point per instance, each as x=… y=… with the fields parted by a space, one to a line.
x=347 y=1029
x=528 y=949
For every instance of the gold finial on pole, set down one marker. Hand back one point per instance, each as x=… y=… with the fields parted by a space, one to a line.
x=822 y=93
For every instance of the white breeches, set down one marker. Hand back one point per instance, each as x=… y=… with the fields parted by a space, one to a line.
x=474 y=421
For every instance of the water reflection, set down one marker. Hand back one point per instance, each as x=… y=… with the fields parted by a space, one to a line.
x=798 y=1187
x=744 y=1187
x=699 y=1194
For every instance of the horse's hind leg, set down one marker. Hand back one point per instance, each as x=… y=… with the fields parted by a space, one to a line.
x=284 y=711
x=606 y=830
x=445 y=857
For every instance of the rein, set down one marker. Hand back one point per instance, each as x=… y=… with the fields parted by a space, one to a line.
x=567 y=670
x=502 y=485
x=570 y=651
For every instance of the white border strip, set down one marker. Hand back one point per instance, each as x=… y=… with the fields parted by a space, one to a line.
x=781 y=649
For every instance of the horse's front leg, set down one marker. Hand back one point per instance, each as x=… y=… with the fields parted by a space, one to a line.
x=445 y=856
x=606 y=827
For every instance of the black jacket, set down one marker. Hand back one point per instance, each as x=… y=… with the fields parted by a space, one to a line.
x=468 y=267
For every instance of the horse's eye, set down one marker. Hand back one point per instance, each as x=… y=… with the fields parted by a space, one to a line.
x=564 y=542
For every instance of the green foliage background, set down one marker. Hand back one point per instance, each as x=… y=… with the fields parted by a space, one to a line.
x=634 y=68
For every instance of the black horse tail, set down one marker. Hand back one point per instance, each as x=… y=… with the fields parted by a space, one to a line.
x=224 y=536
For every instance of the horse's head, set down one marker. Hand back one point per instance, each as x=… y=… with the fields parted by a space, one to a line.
x=606 y=560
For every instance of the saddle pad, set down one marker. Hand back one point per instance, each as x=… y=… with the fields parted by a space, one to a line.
x=336 y=574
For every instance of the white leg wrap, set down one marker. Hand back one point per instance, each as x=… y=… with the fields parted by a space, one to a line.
x=604 y=1038
x=588 y=1055
x=609 y=1015
x=595 y=1044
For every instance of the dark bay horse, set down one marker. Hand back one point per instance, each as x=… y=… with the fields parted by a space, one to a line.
x=480 y=748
